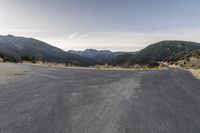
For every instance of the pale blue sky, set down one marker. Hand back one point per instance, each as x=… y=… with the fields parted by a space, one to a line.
x=119 y=25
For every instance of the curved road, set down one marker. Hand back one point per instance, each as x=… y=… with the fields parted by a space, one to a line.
x=50 y=100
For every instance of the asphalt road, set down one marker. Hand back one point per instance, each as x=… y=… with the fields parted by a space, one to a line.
x=50 y=100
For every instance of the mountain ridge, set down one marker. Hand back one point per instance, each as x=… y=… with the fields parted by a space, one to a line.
x=14 y=48
x=101 y=56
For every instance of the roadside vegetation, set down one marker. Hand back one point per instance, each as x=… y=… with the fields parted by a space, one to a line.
x=133 y=67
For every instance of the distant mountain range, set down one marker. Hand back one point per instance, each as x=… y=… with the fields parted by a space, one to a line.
x=101 y=56
x=20 y=48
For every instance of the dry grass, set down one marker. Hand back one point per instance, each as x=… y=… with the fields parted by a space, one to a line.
x=137 y=67
x=46 y=64
x=192 y=62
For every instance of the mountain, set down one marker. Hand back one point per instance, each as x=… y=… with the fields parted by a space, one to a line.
x=17 y=47
x=154 y=53
x=101 y=56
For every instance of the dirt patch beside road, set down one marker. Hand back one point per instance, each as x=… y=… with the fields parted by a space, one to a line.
x=10 y=70
x=195 y=72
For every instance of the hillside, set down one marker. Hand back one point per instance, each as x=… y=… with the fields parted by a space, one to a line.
x=190 y=58
x=121 y=60
x=154 y=53
x=17 y=47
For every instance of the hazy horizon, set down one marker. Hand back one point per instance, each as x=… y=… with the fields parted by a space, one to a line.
x=112 y=25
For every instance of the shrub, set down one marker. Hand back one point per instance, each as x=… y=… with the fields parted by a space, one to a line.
x=27 y=58
x=188 y=59
x=153 y=64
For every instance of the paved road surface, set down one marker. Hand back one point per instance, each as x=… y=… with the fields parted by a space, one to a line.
x=49 y=100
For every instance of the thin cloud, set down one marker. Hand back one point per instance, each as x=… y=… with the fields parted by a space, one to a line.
x=84 y=36
x=73 y=35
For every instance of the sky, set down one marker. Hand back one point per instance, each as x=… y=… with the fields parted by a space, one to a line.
x=117 y=25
